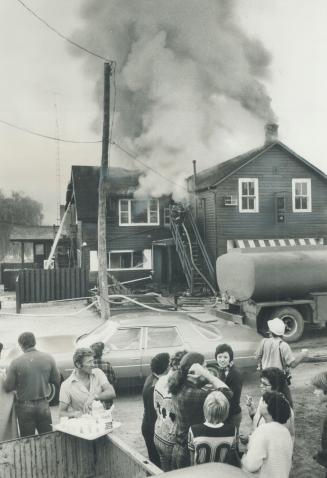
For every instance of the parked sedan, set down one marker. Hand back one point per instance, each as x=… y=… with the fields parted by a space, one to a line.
x=131 y=340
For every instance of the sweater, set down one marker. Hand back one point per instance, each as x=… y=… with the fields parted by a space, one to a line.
x=259 y=420
x=234 y=381
x=269 y=452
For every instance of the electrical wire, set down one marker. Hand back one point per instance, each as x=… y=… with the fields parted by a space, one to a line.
x=53 y=138
x=90 y=52
x=71 y=141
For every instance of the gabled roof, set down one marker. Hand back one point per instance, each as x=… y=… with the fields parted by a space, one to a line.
x=211 y=177
x=85 y=182
x=33 y=233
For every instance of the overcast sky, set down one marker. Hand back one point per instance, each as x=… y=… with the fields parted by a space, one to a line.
x=43 y=82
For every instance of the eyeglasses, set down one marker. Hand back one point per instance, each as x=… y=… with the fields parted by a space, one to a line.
x=265 y=384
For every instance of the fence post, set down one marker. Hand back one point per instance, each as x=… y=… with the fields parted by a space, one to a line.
x=18 y=293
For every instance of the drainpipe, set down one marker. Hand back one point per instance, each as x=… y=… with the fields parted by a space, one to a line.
x=194 y=191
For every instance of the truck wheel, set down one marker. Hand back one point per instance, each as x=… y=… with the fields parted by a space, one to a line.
x=293 y=321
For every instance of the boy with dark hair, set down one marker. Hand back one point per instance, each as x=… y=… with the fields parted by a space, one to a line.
x=159 y=366
x=271 y=446
x=211 y=440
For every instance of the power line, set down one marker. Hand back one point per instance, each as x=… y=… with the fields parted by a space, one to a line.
x=146 y=166
x=53 y=138
x=90 y=52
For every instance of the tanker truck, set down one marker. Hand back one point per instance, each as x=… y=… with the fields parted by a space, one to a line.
x=289 y=283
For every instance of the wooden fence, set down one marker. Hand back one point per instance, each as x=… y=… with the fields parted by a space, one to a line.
x=39 y=285
x=9 y=272
x=57 y=455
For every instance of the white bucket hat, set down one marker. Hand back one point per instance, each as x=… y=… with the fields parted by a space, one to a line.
x=276 y=326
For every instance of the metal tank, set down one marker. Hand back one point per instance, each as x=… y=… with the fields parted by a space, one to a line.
x=276 y=274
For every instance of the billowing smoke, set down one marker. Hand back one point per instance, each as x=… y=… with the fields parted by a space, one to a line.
x=189 y=82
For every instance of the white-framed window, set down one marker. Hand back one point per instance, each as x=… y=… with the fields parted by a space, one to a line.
x=248 y=195
x=166 y=217
x=301 y=195
x=130 y=259
x=139 y=212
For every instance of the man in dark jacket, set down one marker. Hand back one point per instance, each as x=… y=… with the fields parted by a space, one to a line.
x=159 y=366
x=30 y=375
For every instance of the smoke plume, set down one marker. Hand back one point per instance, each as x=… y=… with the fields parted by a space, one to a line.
x=189 y=82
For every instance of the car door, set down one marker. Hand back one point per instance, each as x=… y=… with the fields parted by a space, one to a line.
x=159 y=339
x=123 y=351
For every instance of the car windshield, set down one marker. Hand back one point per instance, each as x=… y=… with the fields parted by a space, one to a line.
x=209 y=331
x=99 y=333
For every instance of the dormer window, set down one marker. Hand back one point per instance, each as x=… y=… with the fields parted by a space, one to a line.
x=138 y=212
x=301 y=194
x=248 y=194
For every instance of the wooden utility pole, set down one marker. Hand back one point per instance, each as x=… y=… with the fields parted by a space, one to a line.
x=102 y=208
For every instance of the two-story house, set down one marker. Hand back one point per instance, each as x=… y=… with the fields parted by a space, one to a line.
x=139 y=240
x=266 y=197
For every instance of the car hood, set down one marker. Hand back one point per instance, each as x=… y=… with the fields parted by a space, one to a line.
x=51 y=344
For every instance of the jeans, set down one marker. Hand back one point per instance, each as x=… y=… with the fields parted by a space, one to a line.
x=33 y=415
x=148 y=435
x=235 y=420
x=165 y=452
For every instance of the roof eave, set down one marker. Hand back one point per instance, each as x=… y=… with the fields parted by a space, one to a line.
x=255 y=156
x=269 y=146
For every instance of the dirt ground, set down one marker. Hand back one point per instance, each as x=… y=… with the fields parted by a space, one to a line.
x=129 y=407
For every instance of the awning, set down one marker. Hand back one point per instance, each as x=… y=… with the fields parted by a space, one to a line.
x=243 y=243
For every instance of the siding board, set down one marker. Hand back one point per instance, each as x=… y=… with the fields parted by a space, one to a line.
x=274 y=170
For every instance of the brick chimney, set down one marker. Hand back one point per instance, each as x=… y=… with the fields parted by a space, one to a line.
x=271 y=132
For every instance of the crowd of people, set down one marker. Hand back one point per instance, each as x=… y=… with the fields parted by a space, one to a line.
x=24 y=388
x=191 y=415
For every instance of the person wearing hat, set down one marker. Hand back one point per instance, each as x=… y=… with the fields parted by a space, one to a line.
x=274 y=352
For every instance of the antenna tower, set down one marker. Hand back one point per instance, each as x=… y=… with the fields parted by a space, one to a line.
x=58 y=168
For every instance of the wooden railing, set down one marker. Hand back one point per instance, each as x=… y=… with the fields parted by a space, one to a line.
x=185 y=251
x=200 y=243
x=181 y=251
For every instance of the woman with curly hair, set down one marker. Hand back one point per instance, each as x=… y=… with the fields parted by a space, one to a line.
x=272 y=379
x=189 y=387
x=165 y=427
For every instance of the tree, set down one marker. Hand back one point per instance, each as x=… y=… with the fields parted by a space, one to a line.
x=16 y=210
